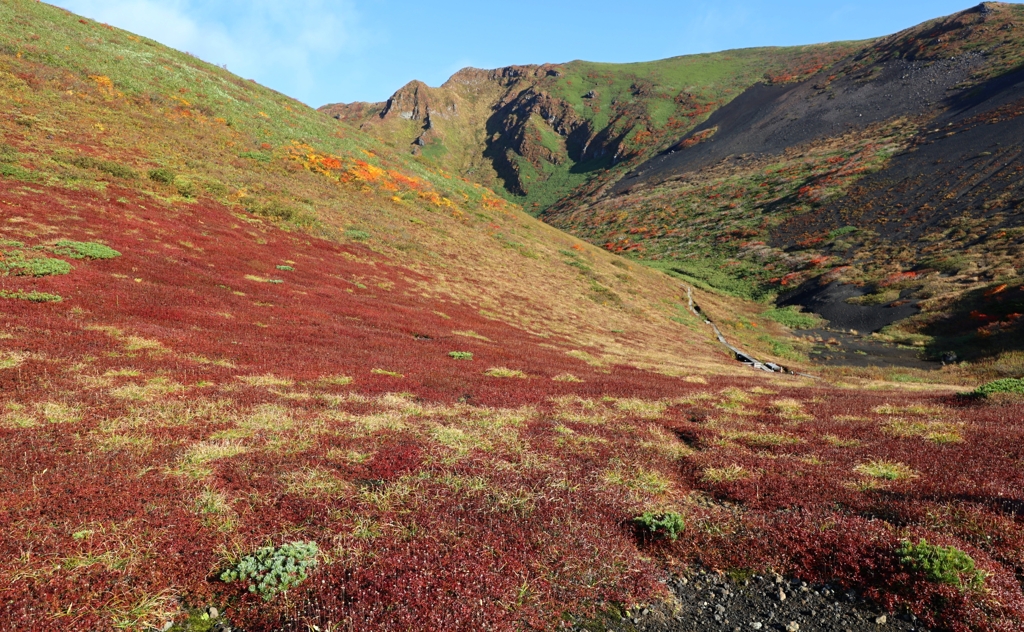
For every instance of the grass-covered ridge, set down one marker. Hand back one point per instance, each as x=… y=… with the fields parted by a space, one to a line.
x=123 y=98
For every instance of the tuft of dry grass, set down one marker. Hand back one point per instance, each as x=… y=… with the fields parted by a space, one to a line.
x=791 y=409
x=316 y=482
x=761 y=439
x=500 y=371
x=727 y=474
x=151 y=390
x=637 y=479
x=644 y=409
x=841 y=442
x=59 y=413
x=886 y=470
x=197 y=459
x=333 y=380
x=586 y=357
x=267 y=380
x=939 y=432
x=471 y=334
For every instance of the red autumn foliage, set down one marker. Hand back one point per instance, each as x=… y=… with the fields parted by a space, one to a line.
x=532 y=541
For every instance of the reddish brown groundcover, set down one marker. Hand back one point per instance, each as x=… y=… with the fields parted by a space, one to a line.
x=190 y=401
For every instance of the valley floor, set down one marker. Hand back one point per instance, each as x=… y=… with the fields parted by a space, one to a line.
x=189 y=400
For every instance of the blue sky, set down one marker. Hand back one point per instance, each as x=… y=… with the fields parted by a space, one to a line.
x=324 y=51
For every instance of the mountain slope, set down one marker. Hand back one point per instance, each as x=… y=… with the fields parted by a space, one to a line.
x=537 y=132
x=895 y=171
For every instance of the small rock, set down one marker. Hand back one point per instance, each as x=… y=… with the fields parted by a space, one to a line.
x=793 y=626
x=213 y=612
x=881 y=620
x=756 y=625
x=167 y=626
x=778 y=579
x=720 y=609
x=782 y=595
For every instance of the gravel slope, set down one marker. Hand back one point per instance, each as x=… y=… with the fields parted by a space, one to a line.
x=710 y=601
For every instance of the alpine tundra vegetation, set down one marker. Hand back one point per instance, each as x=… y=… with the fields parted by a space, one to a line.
x=453 y=361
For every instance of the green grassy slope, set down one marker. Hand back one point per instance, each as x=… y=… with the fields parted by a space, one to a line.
x=90 y=107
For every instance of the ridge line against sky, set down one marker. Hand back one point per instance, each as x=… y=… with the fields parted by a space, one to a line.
x=363 y=50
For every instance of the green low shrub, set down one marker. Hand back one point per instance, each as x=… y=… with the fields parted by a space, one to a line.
x=272 y=209
x=1006 y=385
x=166 y=176
x=83 y=250
x=669 y=524
x=271 y=570
x=460 y=355
x=941 y=564
x=38 y=266
x=106 y=166
x=32 y=297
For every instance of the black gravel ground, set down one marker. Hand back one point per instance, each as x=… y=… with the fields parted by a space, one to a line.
x=710 y=601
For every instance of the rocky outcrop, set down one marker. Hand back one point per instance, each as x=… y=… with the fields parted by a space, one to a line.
x=518 y=117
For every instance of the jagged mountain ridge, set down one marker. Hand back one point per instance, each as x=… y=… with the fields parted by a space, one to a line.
x=537 y=132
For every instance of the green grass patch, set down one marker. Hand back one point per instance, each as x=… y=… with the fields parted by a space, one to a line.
x=460 y=355
x=357 y=235
x=839 y=232
x=742 y=280
x=792 y=317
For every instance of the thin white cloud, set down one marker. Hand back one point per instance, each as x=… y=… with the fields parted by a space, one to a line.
x=280 y=44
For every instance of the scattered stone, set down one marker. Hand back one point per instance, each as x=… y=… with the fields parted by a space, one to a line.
x=793 y=626
x=881 y=620
x=213 y=612
x=782 y=595
x=756 y=625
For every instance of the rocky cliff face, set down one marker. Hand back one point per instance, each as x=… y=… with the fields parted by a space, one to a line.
x=537 y=132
